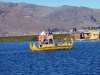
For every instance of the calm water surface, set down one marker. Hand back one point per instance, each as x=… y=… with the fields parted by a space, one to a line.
x=17 y=59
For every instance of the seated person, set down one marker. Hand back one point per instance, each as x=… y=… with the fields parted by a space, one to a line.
x=50 y=41
x=45 y=42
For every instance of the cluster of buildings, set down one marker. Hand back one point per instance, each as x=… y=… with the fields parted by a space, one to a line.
x=86 y=35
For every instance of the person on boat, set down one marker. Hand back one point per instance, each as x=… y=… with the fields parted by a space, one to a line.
x=41 y=38
x=45 y=38
x=45 y=41
x=40 y=44
x=50 y=38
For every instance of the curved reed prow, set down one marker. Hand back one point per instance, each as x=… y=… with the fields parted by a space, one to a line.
x=31 y=46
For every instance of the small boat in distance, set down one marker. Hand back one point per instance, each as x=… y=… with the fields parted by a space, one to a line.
x=46 y=43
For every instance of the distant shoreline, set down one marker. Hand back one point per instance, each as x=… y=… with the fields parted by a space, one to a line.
x=57 y=37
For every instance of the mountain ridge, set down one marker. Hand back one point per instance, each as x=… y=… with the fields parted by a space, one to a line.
x=28 y=19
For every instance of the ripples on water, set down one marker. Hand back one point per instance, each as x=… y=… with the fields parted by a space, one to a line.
x=17 y=59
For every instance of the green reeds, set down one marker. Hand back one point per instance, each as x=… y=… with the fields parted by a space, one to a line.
x=57 y=37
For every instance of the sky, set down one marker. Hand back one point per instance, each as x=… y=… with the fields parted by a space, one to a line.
x=55 y=3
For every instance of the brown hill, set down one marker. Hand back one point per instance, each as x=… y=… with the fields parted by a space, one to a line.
x=28 y=19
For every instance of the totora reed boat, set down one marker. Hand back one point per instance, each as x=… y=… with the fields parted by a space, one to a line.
x=46 y=43
x=47 y=47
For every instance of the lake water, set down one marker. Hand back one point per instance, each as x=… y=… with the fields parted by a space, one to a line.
x=17 y=59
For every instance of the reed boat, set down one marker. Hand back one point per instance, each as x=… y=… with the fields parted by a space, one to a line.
x=48 y=47
x=46 y=43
